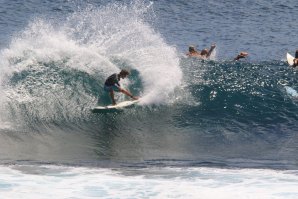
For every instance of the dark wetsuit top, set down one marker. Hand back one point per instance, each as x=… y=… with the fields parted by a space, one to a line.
x=112 y=80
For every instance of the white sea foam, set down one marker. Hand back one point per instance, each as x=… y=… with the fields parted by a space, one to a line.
x=88 y=40
x=45 y=182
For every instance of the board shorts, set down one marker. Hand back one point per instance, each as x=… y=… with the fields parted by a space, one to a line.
x=110 y=88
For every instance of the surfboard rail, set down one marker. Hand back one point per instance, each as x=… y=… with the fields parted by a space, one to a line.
x=118 y=106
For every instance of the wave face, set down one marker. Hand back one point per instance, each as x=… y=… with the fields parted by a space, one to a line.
x=205 y=111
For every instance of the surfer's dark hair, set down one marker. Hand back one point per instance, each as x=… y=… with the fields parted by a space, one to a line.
x=296 y=54
x=124 y=72
x=191 y=49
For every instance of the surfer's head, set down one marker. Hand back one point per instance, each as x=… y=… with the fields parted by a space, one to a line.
x=191 y=49
x=123 y=73
x=204 y=52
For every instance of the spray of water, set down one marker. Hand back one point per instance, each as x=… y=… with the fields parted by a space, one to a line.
x=41 y=63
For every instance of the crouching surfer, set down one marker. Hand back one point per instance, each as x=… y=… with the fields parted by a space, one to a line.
x=112 y=84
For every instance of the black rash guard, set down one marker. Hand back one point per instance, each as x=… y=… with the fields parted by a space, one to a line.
x=112 y=80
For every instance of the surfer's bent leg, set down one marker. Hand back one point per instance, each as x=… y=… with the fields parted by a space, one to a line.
x=112 y=97
x=110 y=90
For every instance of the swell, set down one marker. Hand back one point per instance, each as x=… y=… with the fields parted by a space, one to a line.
x=232 y=112
x=232 y=94
x=252 y=91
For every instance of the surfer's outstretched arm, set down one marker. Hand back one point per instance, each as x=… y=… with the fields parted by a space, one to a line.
x=128 y=93
x=211 y=50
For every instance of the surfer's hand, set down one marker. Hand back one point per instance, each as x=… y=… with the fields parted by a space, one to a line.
x=135 y=98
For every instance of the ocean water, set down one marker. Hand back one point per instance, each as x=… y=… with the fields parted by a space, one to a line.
x=203 y=129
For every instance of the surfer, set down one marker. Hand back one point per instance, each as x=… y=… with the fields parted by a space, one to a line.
x=112 y=84
x=204 y=54
x=241 y=55
x=296 y=59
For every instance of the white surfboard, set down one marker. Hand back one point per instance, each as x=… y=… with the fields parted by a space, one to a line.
x=290 y=59
x=118 y=106
x=292 y=92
